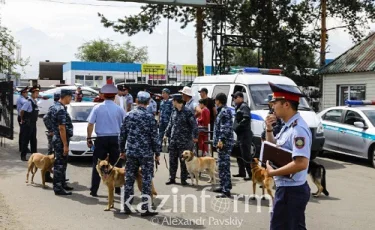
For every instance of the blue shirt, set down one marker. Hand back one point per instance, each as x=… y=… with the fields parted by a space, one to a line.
x=107 y=117
x=152 y=107
x=129 y=99
x=166 y=108
x=296 y=137
x=20 y=102
x=27 y=107
x=191 y=105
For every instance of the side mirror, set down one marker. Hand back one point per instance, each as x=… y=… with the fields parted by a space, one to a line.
x=360 y=124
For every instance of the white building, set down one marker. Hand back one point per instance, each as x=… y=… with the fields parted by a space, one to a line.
x=350 y=76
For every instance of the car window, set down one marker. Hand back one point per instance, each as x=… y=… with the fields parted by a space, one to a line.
x=370 y=114
x=333 y=115
x=351 y=117
x=220 y=89
x=88 y=93
x=80 y=113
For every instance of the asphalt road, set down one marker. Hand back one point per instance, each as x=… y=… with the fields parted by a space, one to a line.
x=351 y=203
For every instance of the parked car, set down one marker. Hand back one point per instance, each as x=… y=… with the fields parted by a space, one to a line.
x=45 y=99
x=79 y=112
x=350 y=130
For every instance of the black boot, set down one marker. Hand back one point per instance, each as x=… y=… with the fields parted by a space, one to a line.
x=171 y=181
x=183 y=182
x=224 y=195
x=66 y=187
x=23 y=158
x=149 y=213
x=49 y=179
x=62 y=193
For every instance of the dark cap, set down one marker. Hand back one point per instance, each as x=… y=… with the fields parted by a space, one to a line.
x=203 y=90
x=283 y=92
x=237 y=94
x=24 y=90
x=126 y=87
x=66 y=92
x=166 y=91
x=177 y=97
x=34 y=88
x=120 y=87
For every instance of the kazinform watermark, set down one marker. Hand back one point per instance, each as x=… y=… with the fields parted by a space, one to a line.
x=180 y=202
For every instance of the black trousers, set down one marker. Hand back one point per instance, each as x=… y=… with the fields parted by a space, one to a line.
x=245 y=139
x=28 y=135
x=103 y=146
x=289 y=207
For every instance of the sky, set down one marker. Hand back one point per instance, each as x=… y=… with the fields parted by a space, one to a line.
x=51 y=30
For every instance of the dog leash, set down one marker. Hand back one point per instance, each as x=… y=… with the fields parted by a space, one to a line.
x=165 y=158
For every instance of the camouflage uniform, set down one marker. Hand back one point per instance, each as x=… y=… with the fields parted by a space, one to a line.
x=181 y=131
x=48 y=123
x=223 y=131
x=139 y=133
x=166 y=108
x=60 y=116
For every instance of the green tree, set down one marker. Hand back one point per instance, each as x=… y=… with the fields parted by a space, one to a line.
x=285 y=30
x=107 y=51
x=9 y=58
x=242 y=57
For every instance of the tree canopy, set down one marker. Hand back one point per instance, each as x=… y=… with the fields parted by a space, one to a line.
x=108 y=51
x=286 y=31
x=9 y=58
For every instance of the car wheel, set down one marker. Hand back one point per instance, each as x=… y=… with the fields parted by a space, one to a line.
x=371 y=155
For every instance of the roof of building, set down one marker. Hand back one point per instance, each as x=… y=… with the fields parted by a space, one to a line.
x=359 y=58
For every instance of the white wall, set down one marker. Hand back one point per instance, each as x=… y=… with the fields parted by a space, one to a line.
x=67 y=77
x=330 y=83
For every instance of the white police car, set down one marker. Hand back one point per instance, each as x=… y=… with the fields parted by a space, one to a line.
x=350 y=129
x=79 y=112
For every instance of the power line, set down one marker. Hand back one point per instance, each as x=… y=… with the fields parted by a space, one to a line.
x=81 y=4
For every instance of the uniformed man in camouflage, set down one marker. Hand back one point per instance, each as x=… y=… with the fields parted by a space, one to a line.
x=223 y=140
x=62 y=132
x=48 y=123
x=139 y=133
x=182 y=132
x=166 y=108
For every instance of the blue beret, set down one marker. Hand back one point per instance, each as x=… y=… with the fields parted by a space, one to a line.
x=166 y=90
x=177 y=96
x=66 y=92
x=143 y=96
x=109 y=89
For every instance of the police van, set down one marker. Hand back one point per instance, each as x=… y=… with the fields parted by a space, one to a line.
x=253 y=82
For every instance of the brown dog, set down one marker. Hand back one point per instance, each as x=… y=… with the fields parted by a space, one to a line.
x=196 y=165
x=260 y=176
x=114 y=177
x=42 y=162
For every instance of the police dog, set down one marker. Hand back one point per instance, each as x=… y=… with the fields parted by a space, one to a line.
x=114 y=177
x=318 y=176
x=42 y=162
x=260 y=176
x=196 y=165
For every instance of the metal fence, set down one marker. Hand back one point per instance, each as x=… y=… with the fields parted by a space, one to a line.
x=6 y=110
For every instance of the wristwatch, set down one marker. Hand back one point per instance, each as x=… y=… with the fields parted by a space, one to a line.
x=269 y=130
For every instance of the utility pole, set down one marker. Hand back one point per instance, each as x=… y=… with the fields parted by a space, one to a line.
x=323 y=34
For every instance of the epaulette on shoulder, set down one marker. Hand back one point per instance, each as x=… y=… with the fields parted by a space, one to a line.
x=295 y=123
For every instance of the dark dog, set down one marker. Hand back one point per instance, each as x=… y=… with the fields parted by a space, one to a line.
x=318 y=176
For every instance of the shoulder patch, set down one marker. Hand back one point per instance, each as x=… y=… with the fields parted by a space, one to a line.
x=299 y=142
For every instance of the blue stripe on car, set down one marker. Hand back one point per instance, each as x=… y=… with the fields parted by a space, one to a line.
x=349 y=131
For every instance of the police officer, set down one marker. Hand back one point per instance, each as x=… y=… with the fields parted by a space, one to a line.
x=242 y=127
x=166 y=108
x=47 y=119
x=182 y=131
x=29 y=116
x=139 y=132
x=292 y=194
x=62 y=129
x=223 y=140
x=107 y=118
x=20 y=101
x=128 y=98
x=152 y=105
x=276 y=126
